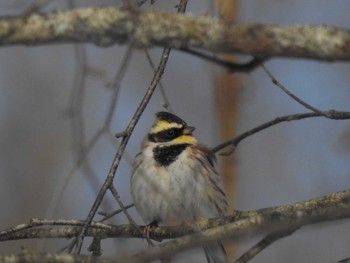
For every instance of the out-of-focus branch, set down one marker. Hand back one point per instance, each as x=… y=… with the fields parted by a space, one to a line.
x=262 y=244
x=108 y=26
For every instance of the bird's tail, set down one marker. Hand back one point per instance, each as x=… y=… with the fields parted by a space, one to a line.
x=215 y=253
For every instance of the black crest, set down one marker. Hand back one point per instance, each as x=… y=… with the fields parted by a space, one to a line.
x=169 y=117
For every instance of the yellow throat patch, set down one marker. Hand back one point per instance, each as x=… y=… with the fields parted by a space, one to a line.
x=185 y=139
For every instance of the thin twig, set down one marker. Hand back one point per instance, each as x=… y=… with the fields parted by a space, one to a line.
x=232 y=66
x=120 y=203
x=57 y=196
x=290 y=94
x=109 y=180
x=116 y=87
x=331 y=114
x=345 y=260
x=110 y=177
x=79 y=145
x=166 y=102
x=75 y=112
x=123 y=208
x=117 y=84
x=107 y=216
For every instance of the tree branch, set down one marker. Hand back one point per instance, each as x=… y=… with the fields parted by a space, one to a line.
x=278 y=219
x=108 y=183
x=31 y=257
x=275 y=219
x=108 y=26
x=262 y=244
x=330 y=114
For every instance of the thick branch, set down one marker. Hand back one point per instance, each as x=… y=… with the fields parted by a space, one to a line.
x=305 y=212
x=282 y=218
x=108 y=26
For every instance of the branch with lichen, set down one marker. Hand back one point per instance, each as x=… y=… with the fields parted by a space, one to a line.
x=108 y=26
x=239 y=224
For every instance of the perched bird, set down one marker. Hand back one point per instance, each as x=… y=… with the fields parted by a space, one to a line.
x=174 y=179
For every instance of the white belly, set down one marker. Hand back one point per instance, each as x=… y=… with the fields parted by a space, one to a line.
x=174 y=193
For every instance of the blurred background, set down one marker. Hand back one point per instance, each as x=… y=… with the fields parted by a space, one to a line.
x=54 y=100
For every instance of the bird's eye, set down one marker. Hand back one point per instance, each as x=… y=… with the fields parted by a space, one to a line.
x=166 y=135
x=170 y=133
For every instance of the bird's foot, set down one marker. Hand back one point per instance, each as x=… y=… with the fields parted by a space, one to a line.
x=147 y=230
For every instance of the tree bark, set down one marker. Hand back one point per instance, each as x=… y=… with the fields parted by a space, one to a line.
x=144 y=29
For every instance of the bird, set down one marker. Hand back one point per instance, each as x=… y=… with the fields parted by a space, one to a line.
x=174 y=179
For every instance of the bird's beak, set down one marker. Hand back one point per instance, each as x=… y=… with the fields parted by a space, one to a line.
x=188 y=130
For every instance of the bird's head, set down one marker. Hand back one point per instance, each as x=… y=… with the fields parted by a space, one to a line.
x=168 y=127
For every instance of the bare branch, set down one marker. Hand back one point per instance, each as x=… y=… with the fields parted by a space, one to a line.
x=290 y=94
x=109 y=215
x=262 y=244
x=278 y=219
x=108 y=26
x=275 y=219
x=108 y=183
x=331 y=114
x=120 y=203
x=345 y=260
x=31 y=257
x=232 y=66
